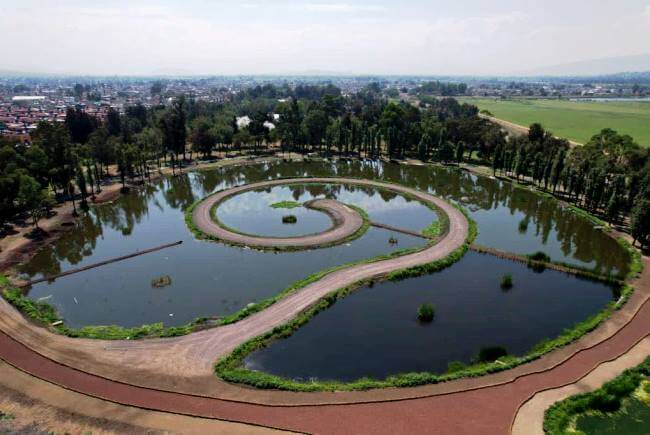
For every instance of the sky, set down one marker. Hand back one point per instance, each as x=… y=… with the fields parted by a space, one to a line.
x=437 y=37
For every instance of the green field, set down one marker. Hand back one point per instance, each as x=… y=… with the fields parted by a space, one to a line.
x=577 y=121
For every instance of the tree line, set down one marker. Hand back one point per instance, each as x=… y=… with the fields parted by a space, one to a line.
x=69 y=161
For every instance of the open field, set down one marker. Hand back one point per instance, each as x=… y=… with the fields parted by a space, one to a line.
x=577 y=121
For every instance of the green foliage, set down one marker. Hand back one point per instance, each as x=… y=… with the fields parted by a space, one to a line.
x=289 y=219
x=491 y=353
x=607 y=399
x=540 y=256
x=506 y=282
x=162 y=281
x=433 y=230
x=286 y=204
x=426 y=312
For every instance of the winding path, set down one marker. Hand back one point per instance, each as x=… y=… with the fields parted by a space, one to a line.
x=347 y=222
x=186 y=363
x=175 y=375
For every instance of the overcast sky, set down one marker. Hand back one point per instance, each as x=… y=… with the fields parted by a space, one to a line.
x=278 y=36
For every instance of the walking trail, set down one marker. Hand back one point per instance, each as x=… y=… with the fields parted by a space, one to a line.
x=175 y=375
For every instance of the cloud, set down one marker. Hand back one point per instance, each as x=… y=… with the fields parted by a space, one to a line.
x=646 y=12
x=342 y=7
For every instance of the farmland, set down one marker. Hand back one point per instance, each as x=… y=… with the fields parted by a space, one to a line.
x=577 y=121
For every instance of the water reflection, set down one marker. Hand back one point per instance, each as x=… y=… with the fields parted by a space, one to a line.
x=471 y=312
x=212 y=279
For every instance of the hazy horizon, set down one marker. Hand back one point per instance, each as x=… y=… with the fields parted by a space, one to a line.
x=197 y=37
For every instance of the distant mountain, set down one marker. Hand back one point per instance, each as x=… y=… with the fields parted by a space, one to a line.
x=604 y=66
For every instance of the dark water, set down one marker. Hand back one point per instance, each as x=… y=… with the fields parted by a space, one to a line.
x=375 y=332
x=212 y=279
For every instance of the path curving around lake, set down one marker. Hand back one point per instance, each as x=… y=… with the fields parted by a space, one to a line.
x=348 y=224
x=166 y=374
x=186 y=363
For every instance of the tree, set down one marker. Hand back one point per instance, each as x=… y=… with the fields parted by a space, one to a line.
x=640 y=221
x=79 y=124
x=202 y=137
x=113 y=122
x=31 y=196
x=172 y=126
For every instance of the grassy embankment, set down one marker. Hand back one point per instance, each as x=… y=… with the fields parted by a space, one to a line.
x=609 y=402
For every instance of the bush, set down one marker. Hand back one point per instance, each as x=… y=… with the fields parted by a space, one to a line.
x=426 y=312
x=506 y=282
x=455 y=366
x=289 y=219
x=540 y=256
x=491 y=353
x=162 y=281
x=609 y=398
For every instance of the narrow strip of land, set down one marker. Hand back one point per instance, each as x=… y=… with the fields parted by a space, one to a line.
x=186 y=362
x=346 y=221
x=98 y=264
x=399 y=230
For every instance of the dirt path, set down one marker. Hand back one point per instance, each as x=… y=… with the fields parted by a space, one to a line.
x=489 y=410
x=530 y=417
x=346 y=221
x=518 y=129
x=186 y=363
x=183 y=367
x=36 y=406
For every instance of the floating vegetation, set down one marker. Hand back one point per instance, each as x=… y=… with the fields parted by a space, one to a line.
x=426 y=312
x=286 y=204
x=393 y=240
x=506 y=282
x=289 y=219
x=162 y=281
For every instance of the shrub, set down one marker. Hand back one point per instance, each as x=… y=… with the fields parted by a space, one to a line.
x=162 y=281
x=455 y=366
x=506 y=282
x=426 y=312
x=491 y=353
x=540 y=256
x=289 y=219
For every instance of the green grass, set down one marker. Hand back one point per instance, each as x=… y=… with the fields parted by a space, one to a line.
x=577 y=121
x=605 y=401
x=433 y=230
x=286 y=204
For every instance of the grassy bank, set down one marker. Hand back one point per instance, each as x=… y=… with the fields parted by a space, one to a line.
x=610 y=398
x=230 y=367
x=47 y=316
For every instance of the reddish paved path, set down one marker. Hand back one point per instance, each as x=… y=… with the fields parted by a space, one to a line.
x=487 y=410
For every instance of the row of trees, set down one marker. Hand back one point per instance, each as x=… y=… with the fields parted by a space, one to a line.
x=608 y=175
